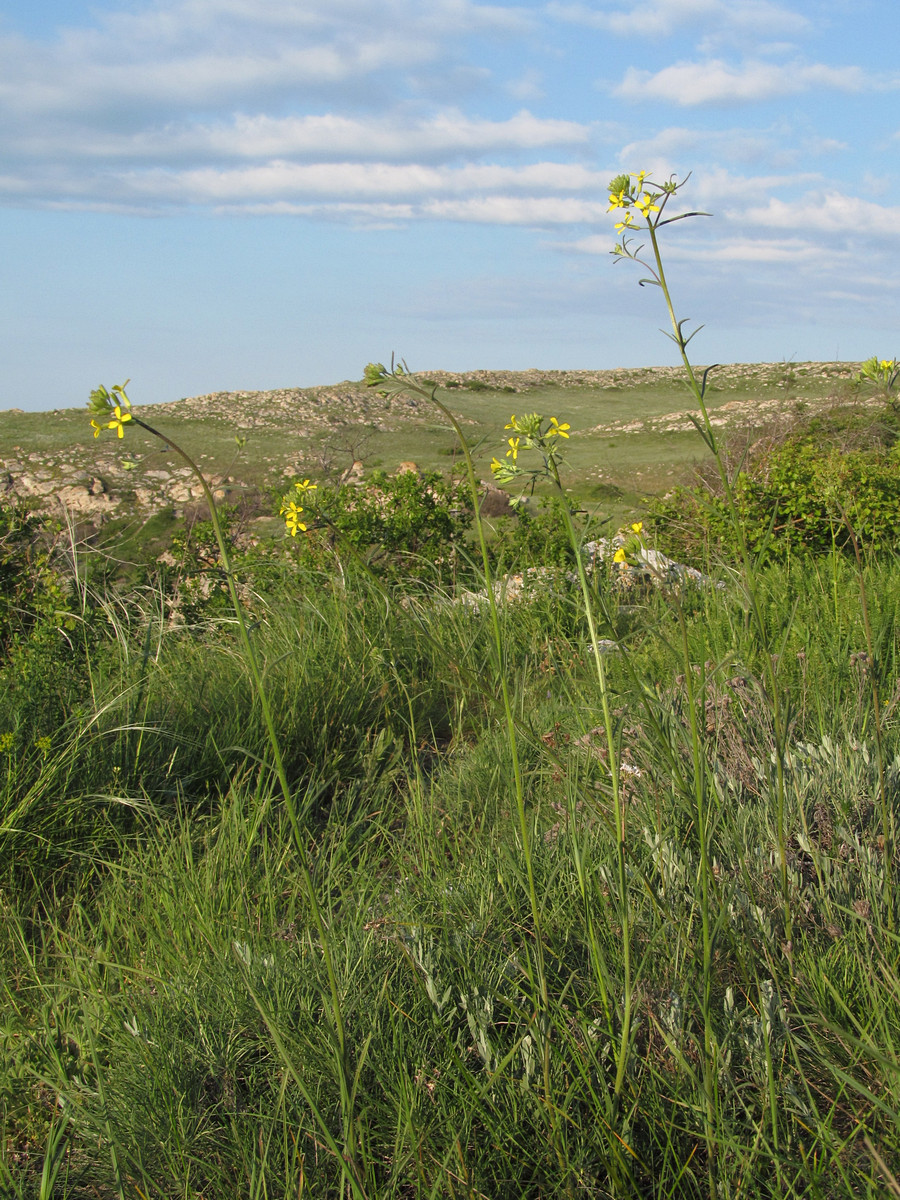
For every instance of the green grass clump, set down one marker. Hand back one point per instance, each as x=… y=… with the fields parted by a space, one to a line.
x=166 y=1021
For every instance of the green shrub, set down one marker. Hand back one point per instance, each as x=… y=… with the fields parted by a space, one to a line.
x=802 y=497
x=409 y=522
x=33 y=593
x=533 y=537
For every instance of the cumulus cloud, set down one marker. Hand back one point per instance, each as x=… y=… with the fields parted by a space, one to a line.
x=716 y=82
x=299 y=182
x=662 y=18
x=328 y=136
x=778 y=146
x=219 y=102
x=206 y=52
x=827 y=212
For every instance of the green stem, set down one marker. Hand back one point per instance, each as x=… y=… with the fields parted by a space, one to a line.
x=618 y=809
x=404 y=382
x=778 y=723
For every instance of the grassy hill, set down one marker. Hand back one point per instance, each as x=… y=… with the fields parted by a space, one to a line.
x=369 y=886
x=631 y=436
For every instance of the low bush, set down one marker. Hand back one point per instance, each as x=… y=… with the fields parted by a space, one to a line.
x=409 y=524
x=810 y=494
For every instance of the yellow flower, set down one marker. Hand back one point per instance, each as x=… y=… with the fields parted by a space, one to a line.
x=644 y=206
x=7 y=740
x=117 y=421
x=513 y=451
x=556 y=428
x=512 y=424
x=637 y=527
x=620 y=556
x=496 y=465
x=98 y=427
x=628 y=222
x=291 y=513
x=619 y=200
x=305 y=486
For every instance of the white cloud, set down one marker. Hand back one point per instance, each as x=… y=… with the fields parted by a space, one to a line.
x=662 y=18
x=827 y=212
x=326 y=136
x=206 y=52
x=714 y=81
x=785 y=251
x=518 y=210
x=341 y=181
x=777 y=146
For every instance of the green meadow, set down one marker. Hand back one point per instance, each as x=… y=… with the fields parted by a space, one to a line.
x=497 y=926
x=362 y=836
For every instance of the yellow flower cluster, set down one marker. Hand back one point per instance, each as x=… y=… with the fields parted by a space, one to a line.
x=625 y=195
x=623 y=554
x=117 y=422
x=532 y=432
x=292 y=511
x=112 y=407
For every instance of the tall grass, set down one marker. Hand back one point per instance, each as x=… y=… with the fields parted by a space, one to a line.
x=166 y=1026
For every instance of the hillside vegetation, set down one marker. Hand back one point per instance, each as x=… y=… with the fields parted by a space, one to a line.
x=591 y=893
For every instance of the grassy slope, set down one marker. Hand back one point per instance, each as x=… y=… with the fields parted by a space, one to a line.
x=616 y=443
x=166 y=1010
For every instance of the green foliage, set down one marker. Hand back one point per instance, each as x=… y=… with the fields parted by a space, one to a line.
x=534 y=535
x=800 y=497
x=34 y=596
x=880 y=373
x=406 y=523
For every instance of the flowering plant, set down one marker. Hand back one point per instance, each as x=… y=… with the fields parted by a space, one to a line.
x=883 y=373
x=632 y=548
x=532 y=431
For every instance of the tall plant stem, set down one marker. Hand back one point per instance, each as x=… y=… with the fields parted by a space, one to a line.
x=618 y=809
x=403 y=381
x=707 y=431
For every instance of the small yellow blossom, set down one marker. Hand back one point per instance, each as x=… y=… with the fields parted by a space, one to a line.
x=637 y=527
x=305 y=486
x=496 y=465
x=118 y=421
x=291 y=513
x=644 y=207
x=7 y=740
x=512 y=423
x=43 y=744
x=620 y=556
x=513 y=451
x=98 y=427
x=556 y=428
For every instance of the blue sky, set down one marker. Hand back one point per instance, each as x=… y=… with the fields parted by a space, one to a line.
x=208 y=195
